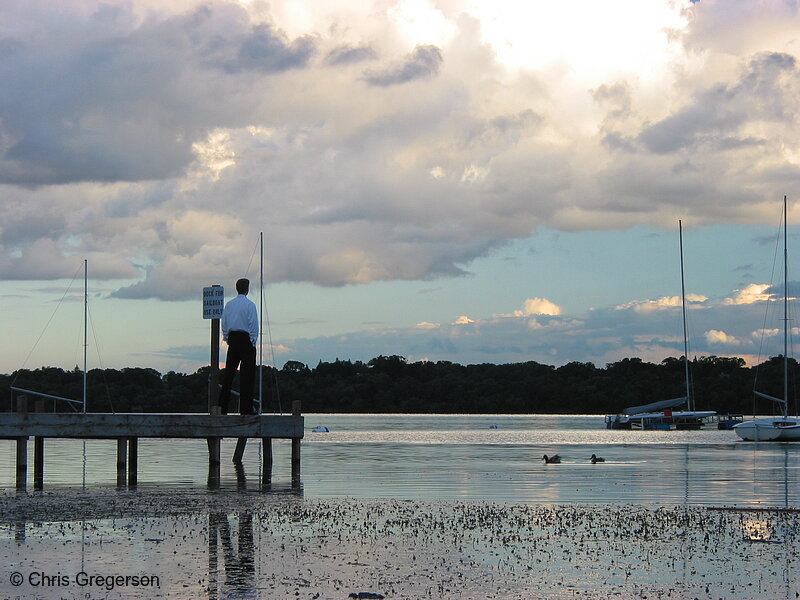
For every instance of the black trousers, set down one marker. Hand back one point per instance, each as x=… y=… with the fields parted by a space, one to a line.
x=240 y=350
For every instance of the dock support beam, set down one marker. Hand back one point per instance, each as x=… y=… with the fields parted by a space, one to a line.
x=213 y=460
x=266 y=467
x=241 y=443
x=295 y=448
x=22 y=463
x=133 y=460
x=122 y=461
x=38 y=462
x=22 y=447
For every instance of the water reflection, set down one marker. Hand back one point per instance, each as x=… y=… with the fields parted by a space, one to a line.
x=238 y=562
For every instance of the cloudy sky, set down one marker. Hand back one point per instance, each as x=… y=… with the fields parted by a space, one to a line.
x=464 y=180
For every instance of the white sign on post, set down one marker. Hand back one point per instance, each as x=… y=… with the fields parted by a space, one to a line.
x=213 y=302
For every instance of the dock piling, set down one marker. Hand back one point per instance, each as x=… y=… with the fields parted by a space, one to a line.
x=22 y=463
x=122 y=461
x=133 y=460
x=38 y=462
x=214 y=460
x=22 y=447
x=241 y=444
x=266 y=467
x=295 y=448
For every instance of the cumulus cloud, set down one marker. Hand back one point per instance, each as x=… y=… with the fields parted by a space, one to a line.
x=714 y=336
x=372 y=145
x=538 y=306
x=664 y=302
x=422 y=63
x=755 y=292
x=599 y=336
x=345 y=55
x=122 y=97
x=721 y=115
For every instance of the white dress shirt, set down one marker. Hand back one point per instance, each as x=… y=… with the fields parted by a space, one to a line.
x=240 y=315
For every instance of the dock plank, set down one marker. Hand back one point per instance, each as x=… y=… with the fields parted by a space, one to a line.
x=149 y=425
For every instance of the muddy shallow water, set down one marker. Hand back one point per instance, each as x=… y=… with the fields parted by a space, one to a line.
x=414 y=506
x=237 y=544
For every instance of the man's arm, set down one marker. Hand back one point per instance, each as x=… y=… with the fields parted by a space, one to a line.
x=252 y=324
x=225 y=323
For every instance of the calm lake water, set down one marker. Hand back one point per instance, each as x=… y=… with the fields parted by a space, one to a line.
x=466 y=457
x=413 y=506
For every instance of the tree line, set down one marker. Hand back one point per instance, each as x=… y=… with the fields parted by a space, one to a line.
x=391 y=384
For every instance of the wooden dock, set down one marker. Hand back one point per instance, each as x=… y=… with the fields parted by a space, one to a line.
x=127 y=428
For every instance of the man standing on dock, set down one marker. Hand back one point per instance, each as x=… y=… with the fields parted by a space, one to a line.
x=240 y=330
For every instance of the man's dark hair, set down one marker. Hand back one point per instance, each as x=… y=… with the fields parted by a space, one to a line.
x=243 y=286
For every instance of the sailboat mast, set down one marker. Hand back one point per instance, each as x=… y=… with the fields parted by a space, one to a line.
x=689 y=399
x=261 y=331
x=785 y=313
x=85 y=323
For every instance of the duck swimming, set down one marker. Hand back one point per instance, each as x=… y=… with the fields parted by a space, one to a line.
x=555 y=459
x=597 y=459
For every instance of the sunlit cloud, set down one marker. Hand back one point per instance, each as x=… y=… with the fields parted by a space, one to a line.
x=662 y=303
x=398 y=143
x=755 y=292
x=538 y=306
x=714 y=336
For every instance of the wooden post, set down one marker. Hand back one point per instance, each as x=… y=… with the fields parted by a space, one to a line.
x=38 y=462
x=22 y=463
x=241 y=443
x=133 y=460
x=295 y=448
x=213 y=390
x=38 y=451
x=22 y=447
x=266 y=467
x=213 y=460
x=122 y=461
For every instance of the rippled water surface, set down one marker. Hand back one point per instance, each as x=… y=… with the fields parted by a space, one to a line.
x=475 y=457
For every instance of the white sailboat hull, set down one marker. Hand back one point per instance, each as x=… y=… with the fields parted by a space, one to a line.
x=776 y=429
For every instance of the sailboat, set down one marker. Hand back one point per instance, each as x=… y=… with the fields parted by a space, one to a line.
x=74 y=404
x=659 y=415
x=780 y=428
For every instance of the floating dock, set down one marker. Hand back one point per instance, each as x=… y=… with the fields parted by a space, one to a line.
x=128 y=428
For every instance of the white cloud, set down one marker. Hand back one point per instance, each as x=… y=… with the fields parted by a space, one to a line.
x=766 y=333
x=755 y=292
x=649 y=305
x=463 y=320
x=538 y=306
x=696 y=298
x=664 y=302
x=714 y=336
x=599 y=336
x=396 y=143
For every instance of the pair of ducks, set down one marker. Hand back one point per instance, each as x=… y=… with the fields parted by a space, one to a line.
x=556 y=459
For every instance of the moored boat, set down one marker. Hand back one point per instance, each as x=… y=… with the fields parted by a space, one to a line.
x=779 y=428
x=660 y=415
